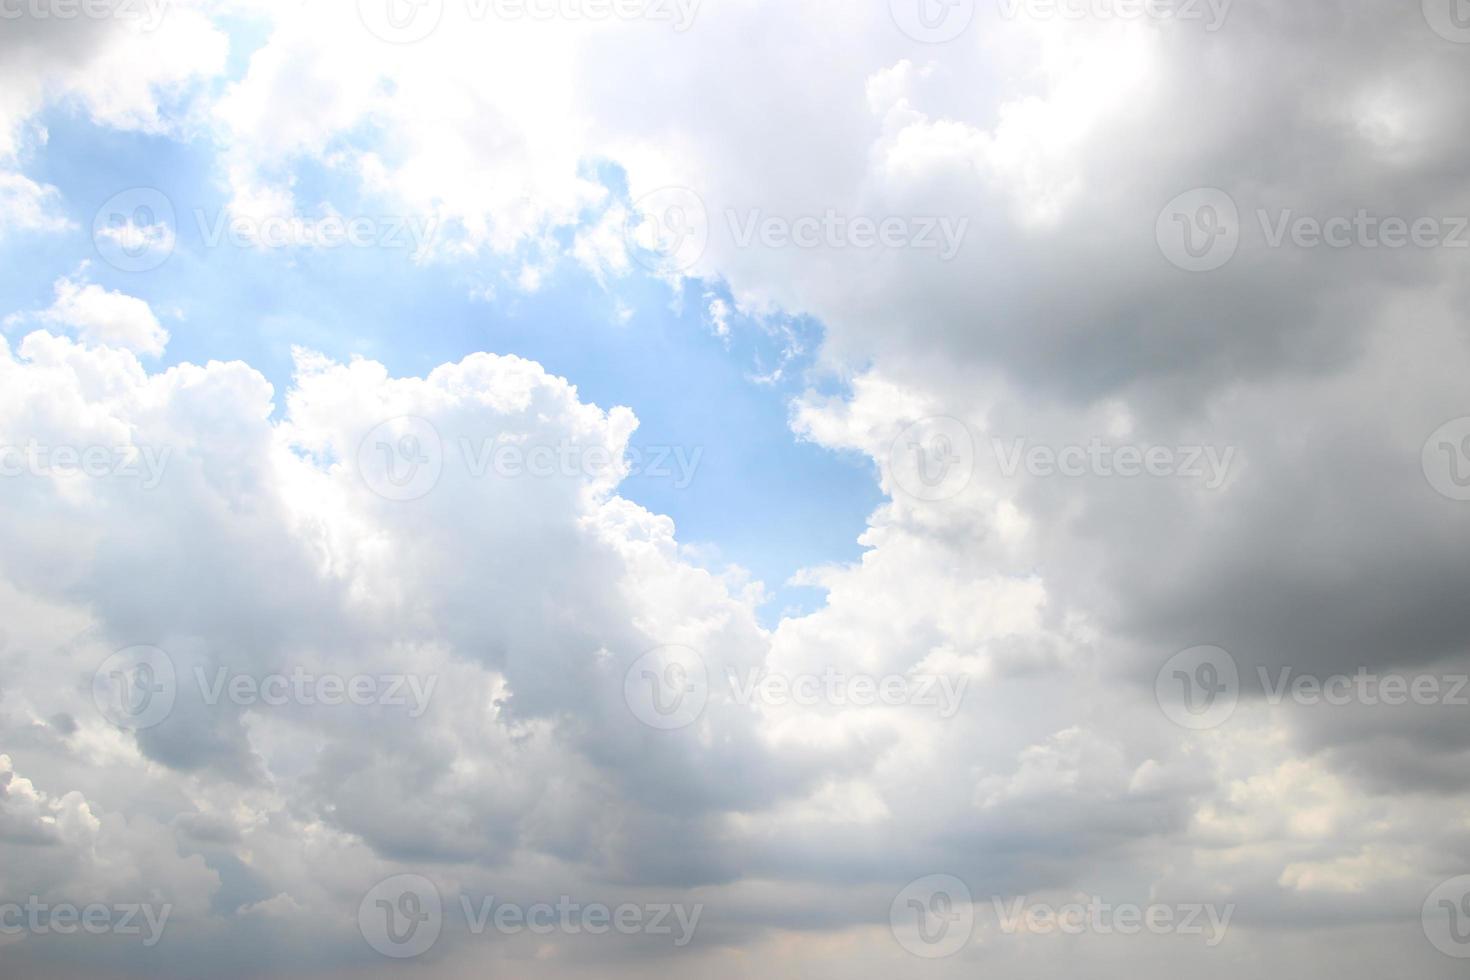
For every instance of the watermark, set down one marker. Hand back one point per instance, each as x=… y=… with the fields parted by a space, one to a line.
x=1446 y=917
x=137 y=230
x=841 y=689
x=401 y=459
x=1446 y=459
x=148 y=13
x=146 y=464
x=932 y=21
x=303 y=687
x=404 y=458
x=135 y=688
x=411 y=21
x=932 y=459
x=667 y=230
x=1211 y=13
x=37 y=918
x=133 y=231
x=403 y=916
x=1097 y=917
x=1362 y=229
x=1209 y=464
x=569 y=917
x=835 y=230
x=1200 y=230
x=415 y=233
x=1198 y=688
x=513 y=460
x=933 y=917
x=1365 y=687
x=669 y=686
x=1450 y=19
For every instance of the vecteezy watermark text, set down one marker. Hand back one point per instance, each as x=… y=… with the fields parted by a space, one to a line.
x=38 y=918
x=1101 y=918
x=669 y=687
x=137 y=230
x=1365 y=687
x=303 y=687
x=1199 y=688
x=149 y=13
x=404 y=458
x=146 y=464
x=668 y=230
x=572 y=918
x=136 y=688
x=934 y=917
x=834 y=230
x=1201 y=230
x=1208 y=463
x=415 y=233
x=934 y=459
x=841 y=689
x=403 y=916
x=512 y=460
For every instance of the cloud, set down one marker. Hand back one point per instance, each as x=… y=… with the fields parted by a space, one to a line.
x=528 y=599
x=351 y=525
x=28 y=206
x=106 y=317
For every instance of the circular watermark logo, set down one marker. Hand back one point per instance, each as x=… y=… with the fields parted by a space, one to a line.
x=667 y=229
x=667 y=687
x=933 y=459
x=1446 y=917
x=1450 y=19
x=1446 y=459
x=401 y=459
x=135 y=688
x=933 y=916
x=400 y=21
x=1198 y=688
x=932 y=21
x=1199 y=230
x=134 y=231
x=401 y=916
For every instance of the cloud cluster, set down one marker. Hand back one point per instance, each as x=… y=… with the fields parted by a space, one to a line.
x=1093 y=458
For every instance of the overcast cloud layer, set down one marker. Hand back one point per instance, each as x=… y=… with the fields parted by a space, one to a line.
x=1149 y=319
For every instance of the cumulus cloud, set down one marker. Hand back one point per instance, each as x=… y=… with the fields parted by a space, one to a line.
x=28 y=206
x=527 y=752
x=103 y=316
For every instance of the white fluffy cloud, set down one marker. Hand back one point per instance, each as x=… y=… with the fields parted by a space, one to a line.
x=126 y=71
x=28 y=206
x=527 y=600
x=106 y=317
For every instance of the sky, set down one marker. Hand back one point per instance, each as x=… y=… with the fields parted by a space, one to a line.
x=636 y=341
x=568 y=488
